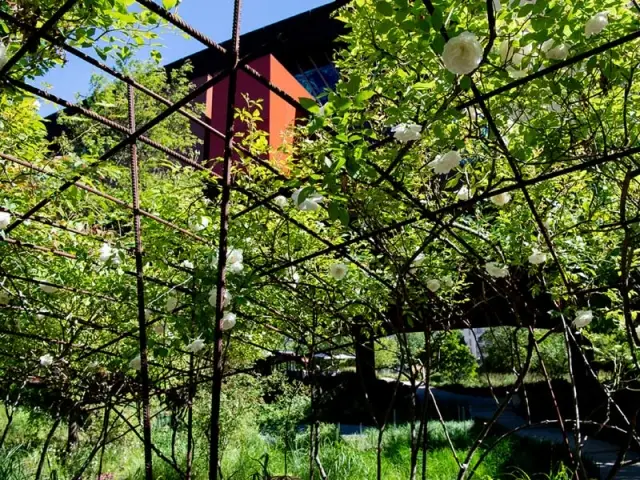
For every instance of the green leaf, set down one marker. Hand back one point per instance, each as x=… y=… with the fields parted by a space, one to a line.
x=526 y=10
x=436 y=19
x=353 y=85
x=383 y=27
x=465 y=83
x=384 y=8
x=363 y=97
x=438 y=44
x=169 y=4
x=309 y=104
x=304 y=194
x=160 y=352
x=337 y=212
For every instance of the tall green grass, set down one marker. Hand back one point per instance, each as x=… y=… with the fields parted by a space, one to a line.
x=249 y=453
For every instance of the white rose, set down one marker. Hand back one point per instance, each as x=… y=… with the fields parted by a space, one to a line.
x=236 y=267
x=3 y=55
x=407 y=132
x=495 y=270
x=537 y=257
x=583 y=318
x=5 y=217
x=46 y=360
x=187 y=264
x=106 y=252
x=555 y=107
x=516 y=74
x=226 y=298
x=463 y=194
x=443 y=164
x=433 y=285
x=527 y=49
x=235 y=255
x=172 y=303
x=4 y=298
x=501 y=199
x=136 y=363
x=596 y=24
x=506 y=51
x=546 y=45
x=559 y=52
x=338 y=271
x=196 y=345
x=50 y=289
x=281 y=201
x=462 y=54
x=309 y=204
x=417 y=262
x=228 y=321
x=199 y=223
x=115 y=258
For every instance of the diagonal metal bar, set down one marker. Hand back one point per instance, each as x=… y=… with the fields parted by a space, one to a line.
x=71 y=256
x=105 y=121
x=206 y=41
x=106 y=196
x=278 y=211
x=553 y=68
x=129 y=81
x=463 y=204
x=34 y=39
x=118 y=147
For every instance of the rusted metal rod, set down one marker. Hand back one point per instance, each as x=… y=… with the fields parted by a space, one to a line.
x=106 y=196
x=225 y=201
x=142 y=327
x=71 y=256
x=122 y=144
x=458 y=205
x=34 y=39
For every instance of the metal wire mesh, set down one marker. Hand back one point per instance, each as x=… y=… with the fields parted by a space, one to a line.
x=441 y=222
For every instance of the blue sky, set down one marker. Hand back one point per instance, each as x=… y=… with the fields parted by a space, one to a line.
x=212 y=17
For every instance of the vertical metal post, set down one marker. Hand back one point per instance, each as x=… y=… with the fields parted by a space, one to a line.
x=192 y=390
x=144 y=364
x=222 y=247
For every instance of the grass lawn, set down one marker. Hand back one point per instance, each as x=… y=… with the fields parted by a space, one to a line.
x=248 y=453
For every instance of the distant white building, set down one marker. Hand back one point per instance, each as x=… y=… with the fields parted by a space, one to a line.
x=473 y=339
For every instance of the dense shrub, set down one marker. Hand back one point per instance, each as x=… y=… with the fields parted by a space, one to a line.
x=451 y=359
x=505 y=350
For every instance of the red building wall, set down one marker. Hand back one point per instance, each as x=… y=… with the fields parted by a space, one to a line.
x=277 y=115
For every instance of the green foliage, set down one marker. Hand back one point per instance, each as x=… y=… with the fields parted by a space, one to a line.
x=391 y=73
x=452 y=361
x=505 y=350
x=112 y=28
x=248 y=452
